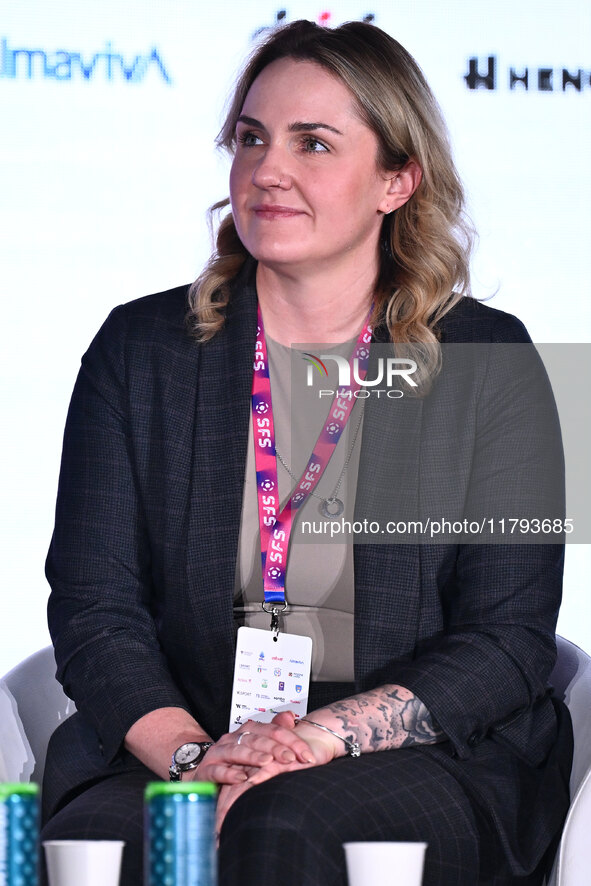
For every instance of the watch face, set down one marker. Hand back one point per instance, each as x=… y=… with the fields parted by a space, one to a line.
x=187 y=753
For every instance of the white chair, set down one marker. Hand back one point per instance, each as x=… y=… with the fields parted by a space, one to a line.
x=571 y=679
x=32 y=705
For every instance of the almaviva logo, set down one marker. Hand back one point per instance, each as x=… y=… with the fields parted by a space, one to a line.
x=62 y=64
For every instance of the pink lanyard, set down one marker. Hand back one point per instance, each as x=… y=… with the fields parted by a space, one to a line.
x=275 y=526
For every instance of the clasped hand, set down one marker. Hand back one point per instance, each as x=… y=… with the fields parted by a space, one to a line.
x=265 y=750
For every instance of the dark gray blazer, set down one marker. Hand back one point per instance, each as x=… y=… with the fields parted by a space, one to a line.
x=143 y=555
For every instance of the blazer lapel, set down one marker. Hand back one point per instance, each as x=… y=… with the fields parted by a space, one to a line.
x=387 y=572
x=219 y=457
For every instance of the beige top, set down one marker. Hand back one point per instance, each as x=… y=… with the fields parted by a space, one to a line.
x=319 y=580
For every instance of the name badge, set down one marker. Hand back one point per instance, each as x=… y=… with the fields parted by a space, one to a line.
x=270 y=675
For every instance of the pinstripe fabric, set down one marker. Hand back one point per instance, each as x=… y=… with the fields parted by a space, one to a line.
x=292 y=831
x=143 y=556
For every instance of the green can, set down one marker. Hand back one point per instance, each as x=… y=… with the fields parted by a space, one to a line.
x=180 y=834
x=19 y=834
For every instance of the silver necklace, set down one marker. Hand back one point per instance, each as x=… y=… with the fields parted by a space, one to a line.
x=333 y=506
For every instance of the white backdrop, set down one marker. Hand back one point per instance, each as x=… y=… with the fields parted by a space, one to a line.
x=108 y=114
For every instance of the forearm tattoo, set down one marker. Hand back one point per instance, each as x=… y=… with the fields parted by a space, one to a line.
x=385 y=718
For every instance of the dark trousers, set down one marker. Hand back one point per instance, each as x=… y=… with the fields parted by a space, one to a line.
x=290 y=830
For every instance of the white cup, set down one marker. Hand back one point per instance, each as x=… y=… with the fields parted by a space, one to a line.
x=83 y=862
x=385 y=864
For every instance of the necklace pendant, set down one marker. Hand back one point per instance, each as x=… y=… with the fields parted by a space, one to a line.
x=331 y=508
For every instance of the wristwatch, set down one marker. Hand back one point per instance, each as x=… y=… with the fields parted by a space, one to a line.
x=187 y=757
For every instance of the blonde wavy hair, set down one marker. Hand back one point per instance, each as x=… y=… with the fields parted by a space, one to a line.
x=425 y=245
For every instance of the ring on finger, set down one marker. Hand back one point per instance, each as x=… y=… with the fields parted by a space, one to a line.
x=241 y=736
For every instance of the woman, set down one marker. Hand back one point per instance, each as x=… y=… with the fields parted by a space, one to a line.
x=345 y=206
